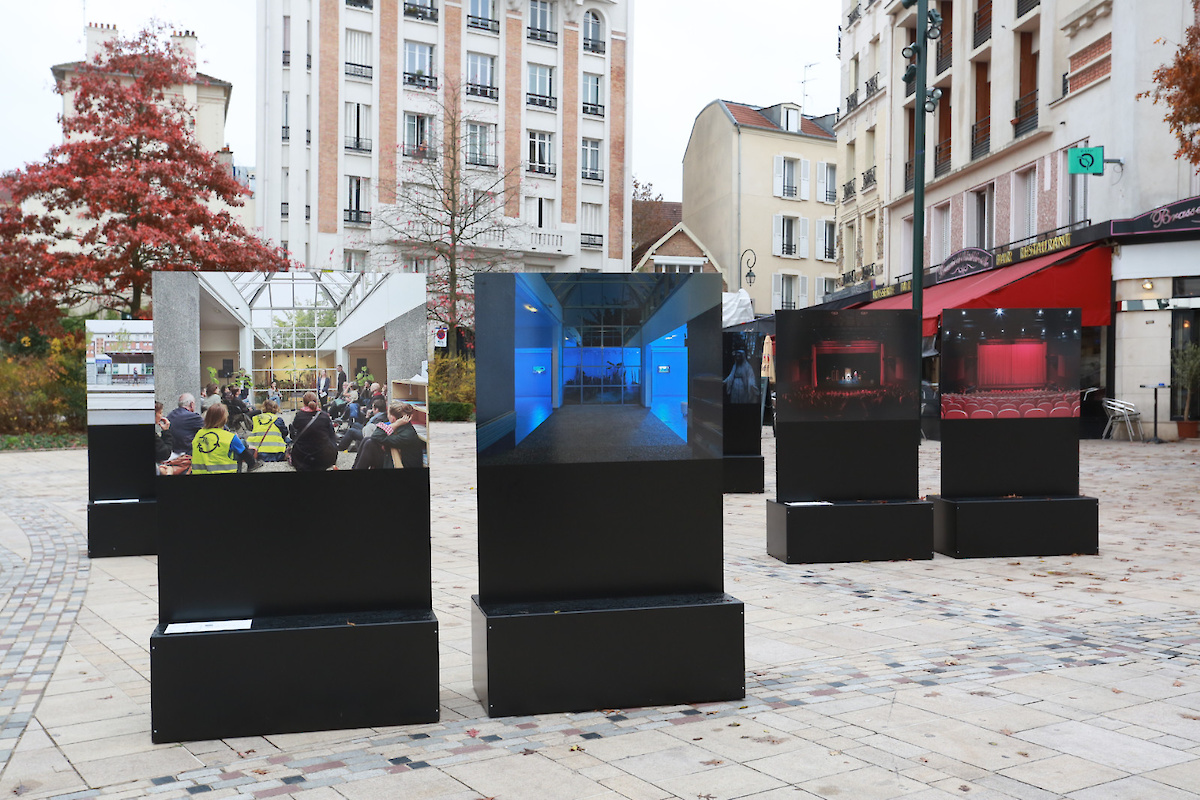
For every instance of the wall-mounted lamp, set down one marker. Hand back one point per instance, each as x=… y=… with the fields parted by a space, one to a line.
x=1147 y=284
x=748 y=258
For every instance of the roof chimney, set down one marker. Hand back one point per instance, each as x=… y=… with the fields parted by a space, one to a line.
x=98 y=35
x=185 y=43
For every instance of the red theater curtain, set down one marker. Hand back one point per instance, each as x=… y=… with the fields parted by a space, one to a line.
x=1012 y=365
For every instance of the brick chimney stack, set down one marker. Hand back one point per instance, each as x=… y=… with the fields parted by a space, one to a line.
x=185 y=42
x=97 y=36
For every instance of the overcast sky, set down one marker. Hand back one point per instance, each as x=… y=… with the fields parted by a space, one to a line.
x=685 y=54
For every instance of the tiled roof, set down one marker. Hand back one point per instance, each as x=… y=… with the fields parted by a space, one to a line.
x=751 y=116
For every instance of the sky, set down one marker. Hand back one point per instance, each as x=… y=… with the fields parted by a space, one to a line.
x=685 y=55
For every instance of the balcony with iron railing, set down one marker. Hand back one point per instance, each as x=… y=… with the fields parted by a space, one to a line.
x=1025 y=117
x=854 y=15
x=592 y=174
x=542 y=35
x=945 y=52
x=851 y=101
x=308 y=136
x=287 y=58
x=593 y=109
x=910 y=175
x=787 y=248
x=983 y=23
x=287 y=132
x=420 y=80
x=484 y=24
x=364 y=71
x=541 y=168
x=422 y=11
x=848 y=190
x=358 y=144
x=1025 y=6
x=477 y=159
x=868 y=178
x=285 y=210
x=872 y=85
x=591 y=240
x=830 y=193
x=541 y=100
x=421 y=151
x=308 y=212
x=593 y=46
x=356 y=216
x=981 y=138
x=910 y=88
x=941 y=158
x=830 y=251
x=368 y=4
x=789 y=190
x=483 y=90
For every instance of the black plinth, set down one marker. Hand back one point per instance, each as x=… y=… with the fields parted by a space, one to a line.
x=573 y=656
x=847 y=460
x=122 y=528
x=894 y=530
x=1016 y=526
x=292 y=674
x=743 y=475
x=999 y=457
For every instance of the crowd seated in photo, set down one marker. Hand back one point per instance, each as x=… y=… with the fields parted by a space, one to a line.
x=1011 y=404
x=852 y=403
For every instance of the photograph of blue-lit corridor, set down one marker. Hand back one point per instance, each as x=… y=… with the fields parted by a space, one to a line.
x=597 y=367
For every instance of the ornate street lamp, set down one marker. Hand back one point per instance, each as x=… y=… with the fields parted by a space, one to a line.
x=747 y=259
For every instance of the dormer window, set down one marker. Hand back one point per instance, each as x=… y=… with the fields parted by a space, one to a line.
x=791 y=119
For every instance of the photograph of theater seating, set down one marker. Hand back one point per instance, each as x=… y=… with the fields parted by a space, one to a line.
x=598 y=368
x=845 y=365
x=1010 y=363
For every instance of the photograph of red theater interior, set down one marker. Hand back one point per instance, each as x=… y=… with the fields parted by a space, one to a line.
x=1014 y=363
x=847 y=365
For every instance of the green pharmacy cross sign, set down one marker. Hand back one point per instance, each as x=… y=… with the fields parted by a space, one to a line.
x=1085 y=161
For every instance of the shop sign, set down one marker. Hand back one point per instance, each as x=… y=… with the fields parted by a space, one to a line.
x=964 y=263
x=1042 y=248
x=1181 y=216
x=892 y=289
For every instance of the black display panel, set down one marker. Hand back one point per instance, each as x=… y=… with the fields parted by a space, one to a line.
x=1010 y=363
x=849 y=365
x=597 y=368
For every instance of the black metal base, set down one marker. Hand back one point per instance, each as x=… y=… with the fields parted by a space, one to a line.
x=994 y=527
x=573 y=656
x=122 y=529
x=892 y=530
x=743 y=475
x=293 y=674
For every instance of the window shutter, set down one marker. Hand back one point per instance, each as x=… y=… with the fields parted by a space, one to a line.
x=822 y=174
x=820 y=291
x=802 y=252
x=776 y=291
x=777 y=235
x=821 y=233
x=802 y=300
x=777 y=185
x=804 y=165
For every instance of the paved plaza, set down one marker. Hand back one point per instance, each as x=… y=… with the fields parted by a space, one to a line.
x=1026 y=678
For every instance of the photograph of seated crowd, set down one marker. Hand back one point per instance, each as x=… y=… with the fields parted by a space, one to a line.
x=1014 y=363
x=849 y=365
x=296 y=409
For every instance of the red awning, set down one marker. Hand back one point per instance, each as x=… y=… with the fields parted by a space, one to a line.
x=1080 y=277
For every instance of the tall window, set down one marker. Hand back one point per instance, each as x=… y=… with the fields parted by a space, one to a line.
x=593 y=100
x=541 y=16
x=1025 y=204
x=287 y=114
x=591 y=224
x=939 y=248
x=355 y=260
x=826 y=182
x=358 y=127
x=539 y=212
x=791 y=119
x=413 y=264
x=541 y=152
x=287 y=41
x=481 y=15
x=358 y=201
x=418 y=65
x=789 y=236
x=826 y=240
x=983 y=214
x=593 y=33
x=418 y=129
x=481 y=75
x=591 y=160
x=790 y=176
x=358 y=54
x=481 y=143
x=541 y=86
x=1077 y=199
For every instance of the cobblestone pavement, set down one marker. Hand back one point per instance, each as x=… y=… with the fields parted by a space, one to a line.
x=1024 y=678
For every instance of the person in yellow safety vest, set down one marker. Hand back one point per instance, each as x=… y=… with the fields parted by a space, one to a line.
x=216 y=450
x=269 y=437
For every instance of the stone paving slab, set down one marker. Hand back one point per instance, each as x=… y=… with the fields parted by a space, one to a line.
x=1025 y=678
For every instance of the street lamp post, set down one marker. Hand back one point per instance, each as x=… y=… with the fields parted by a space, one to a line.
x=748 y=259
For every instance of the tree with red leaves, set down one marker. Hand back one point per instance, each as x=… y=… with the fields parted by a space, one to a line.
x=1177 y=83
x=128 y=191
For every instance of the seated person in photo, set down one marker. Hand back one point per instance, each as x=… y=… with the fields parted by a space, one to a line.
x=356 y=432
x=314 y=443
x=216 y=450
x=269 y=436
x=339 y=407
x=273 y=393
x=208 y=396
x=236 y=405
x=184 y=423
x=396 y=435
x=162 y=435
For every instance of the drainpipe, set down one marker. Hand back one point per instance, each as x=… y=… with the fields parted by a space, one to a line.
x=736 y=261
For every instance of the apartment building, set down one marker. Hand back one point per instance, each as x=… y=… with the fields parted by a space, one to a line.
x=1023 y=82
x=353 y=96
x=760 y=187
x=862 y=139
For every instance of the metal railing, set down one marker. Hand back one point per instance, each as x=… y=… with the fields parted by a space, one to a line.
x=423 y=11
x=789 y=190
x=1066 y=87
x=593 y=45
x=1025 y=6
x=542 y=35
x=983 y=22
x=358 y=144
x=830 y=194
x=592 y=174
x=941 y=158
x=1025 y=117
x=787 y=248
x=284 y=210
x=356 y=216
x=541 y=100
x=308 y=61
x=483 y=90
x=981 y=138
x=481 y=159
x=872 y=85
x=591 y=239
x=594 y=109
x=421 y=151
x=854 y=15
x=910 y=176
x=360 y=3
x=483 y=24
x=830 y=251
x=364 y=71
x=945 y=52
x=287 y=132
x=910 y=88
x=420 y=80
x=308 y=136
x=287 y=58
x=848 y=189
x=851 y=101
x=308 y=212
x=542 y=169
x=1044 y=235
x=868 y=178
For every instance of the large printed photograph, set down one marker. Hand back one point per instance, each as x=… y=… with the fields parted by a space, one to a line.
x=296 y=371
x=595 y=368
x=846 y=365
x=1010 y=363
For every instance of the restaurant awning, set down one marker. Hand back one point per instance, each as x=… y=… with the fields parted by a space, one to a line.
x=1080 y=277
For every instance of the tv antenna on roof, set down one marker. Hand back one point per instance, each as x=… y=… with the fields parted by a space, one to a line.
x=804 y=87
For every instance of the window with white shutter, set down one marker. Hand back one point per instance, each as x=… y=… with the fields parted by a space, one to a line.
x=822 y=175
x=777 y=235
x=804 y=166
x=776 y=291
x=803 y=251
x=777 y=177
x=822 y=233
x=802 y=295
